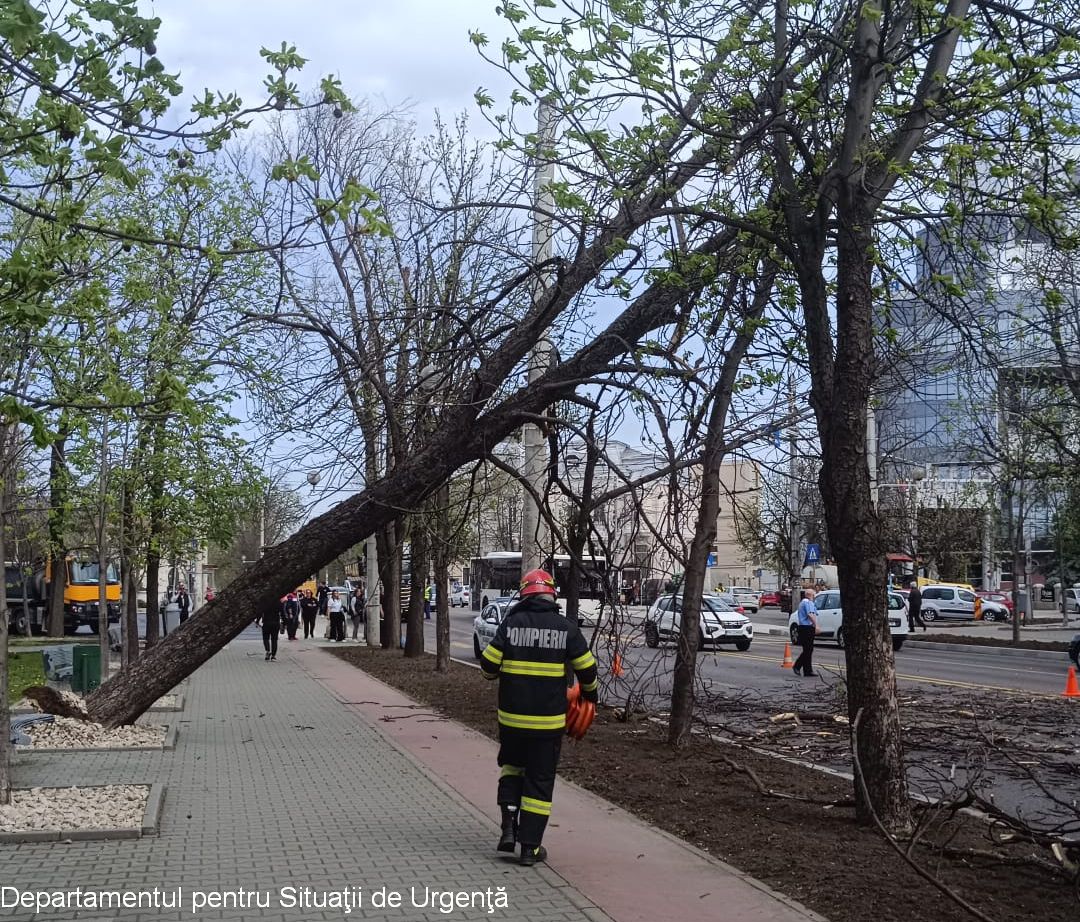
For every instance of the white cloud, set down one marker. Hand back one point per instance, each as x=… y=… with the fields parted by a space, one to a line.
x=396 y=51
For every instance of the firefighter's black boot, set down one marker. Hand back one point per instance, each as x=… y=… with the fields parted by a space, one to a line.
x=508 y=839
x=530 y=854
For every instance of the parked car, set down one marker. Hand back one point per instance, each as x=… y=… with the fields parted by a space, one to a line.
x=953 y=603
x=769 y=599
x=831 y=618
x=728 y=598
x=460 y=595
x=720 y=622
x=1071 y=600
x=749 y=599
x=487 y=623
x=1001 y=598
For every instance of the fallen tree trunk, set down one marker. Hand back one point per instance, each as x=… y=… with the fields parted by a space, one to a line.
x=466 y=436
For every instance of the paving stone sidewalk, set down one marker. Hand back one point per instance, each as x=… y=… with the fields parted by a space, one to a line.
x=274 y=783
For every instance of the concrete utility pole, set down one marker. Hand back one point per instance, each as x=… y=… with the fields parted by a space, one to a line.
x=534 y=531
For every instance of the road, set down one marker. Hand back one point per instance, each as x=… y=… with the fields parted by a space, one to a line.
x=979 y=670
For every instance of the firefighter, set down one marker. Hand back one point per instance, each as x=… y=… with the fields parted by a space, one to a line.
x=529 y=655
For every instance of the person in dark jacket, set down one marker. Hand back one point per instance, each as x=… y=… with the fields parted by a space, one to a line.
x=1074 y=651
x=309 y=611
x=271 y=624
x=529 y=656
x=323 y=593
x=290 y=610
x=914 y=608
x=184 y=601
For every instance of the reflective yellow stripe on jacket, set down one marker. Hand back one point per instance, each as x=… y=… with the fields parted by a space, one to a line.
x=583 y=662
x=493 y=654
x=532 y=721
x=528 y=667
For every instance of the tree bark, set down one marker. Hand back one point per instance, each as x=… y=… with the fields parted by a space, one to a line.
x=855 y=531
x=5 y=705
x=442 y=581
x=58 y=497
x=418 y=581
x=390 y=576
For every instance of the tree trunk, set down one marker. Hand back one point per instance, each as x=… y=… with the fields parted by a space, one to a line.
x=465 y=436
x=682 y=687
x=58 y=497
x=418 y=581
x=103 y=552
x=153 y=591
x=390 y=577
x=5 y=705
x=855 y=531
x=442 y=581
x=682 y=690
x=130 y=610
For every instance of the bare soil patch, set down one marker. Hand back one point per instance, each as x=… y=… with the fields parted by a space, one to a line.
x=811 y=851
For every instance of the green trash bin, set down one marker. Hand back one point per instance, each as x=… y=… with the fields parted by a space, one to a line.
x=86 y=669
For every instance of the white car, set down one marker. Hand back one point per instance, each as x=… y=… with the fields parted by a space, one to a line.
x=487 y=623
x=460 y=595
x=956 y=603
x=749 y=599
x=720 y=623
x=831 y=618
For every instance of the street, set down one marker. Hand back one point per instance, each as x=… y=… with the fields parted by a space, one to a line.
x=977 y=669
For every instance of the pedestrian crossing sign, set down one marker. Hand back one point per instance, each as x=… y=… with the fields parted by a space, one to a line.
x=813 y=555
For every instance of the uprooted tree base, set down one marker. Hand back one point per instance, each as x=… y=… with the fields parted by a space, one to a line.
x=806 y=846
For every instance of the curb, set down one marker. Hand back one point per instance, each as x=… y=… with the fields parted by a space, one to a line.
x=149 y=826
x=979 y=648
x=151 y=823
x=168 y=744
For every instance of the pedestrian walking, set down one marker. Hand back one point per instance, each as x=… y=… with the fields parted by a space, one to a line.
x=356 y=609
x=1074 y=651
x=323 y=595
x=529 y=655
x=271 y=624
x=184 y=601
x=291 y=611
x=914 y=608
x=335 y=609
x=806 y=630
x=309 y=611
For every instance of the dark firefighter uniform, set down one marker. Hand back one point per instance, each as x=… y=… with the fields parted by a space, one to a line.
x=529 y=655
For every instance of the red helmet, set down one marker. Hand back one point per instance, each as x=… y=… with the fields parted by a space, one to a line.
x=537 y=582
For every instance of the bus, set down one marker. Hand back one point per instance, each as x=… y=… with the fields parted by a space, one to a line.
x=499 y=574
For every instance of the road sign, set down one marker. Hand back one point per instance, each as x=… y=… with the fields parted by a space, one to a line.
x=813 y=555
x=710 y=561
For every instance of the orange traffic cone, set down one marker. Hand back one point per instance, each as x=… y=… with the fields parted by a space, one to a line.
x=616 y=666
x=1072 y=689
x=788 y=661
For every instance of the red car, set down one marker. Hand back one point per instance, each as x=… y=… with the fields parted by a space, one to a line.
x=1002 y=598
x=770 y=599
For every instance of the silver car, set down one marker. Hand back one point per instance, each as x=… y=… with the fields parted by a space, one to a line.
x=487 y=623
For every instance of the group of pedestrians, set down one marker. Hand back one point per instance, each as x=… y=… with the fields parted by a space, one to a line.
x=304 y=607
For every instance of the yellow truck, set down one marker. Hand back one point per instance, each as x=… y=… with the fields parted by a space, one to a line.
x=81 y=592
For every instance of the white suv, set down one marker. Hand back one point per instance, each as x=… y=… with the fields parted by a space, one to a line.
x=720 y=623
x=831 y=618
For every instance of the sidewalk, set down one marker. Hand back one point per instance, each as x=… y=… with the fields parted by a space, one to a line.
x=298 y=774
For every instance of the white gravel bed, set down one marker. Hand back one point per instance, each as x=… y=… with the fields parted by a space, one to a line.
x=112 y=806
x=164 y=703
x=65 y=733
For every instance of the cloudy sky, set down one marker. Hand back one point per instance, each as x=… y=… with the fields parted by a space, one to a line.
x=393 y=51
